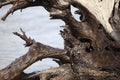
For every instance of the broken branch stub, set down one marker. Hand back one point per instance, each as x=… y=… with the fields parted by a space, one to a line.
x=28 y=41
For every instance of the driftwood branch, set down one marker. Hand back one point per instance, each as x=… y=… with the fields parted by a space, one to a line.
x=91 y=46
x=37 y=51
x=17 y=4
x=63 y=72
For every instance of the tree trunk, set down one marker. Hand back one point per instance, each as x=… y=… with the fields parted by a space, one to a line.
x=91 y=46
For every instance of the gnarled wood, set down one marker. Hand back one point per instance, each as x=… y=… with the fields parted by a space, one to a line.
x=102 y=10
x=91 y=47
x=37 y=51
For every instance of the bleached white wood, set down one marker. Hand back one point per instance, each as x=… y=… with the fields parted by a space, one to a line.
x=101 y=9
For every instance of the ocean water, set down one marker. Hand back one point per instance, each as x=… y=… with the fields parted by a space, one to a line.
x=36 y=23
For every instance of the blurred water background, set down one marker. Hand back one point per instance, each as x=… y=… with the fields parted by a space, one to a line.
x=36 y=23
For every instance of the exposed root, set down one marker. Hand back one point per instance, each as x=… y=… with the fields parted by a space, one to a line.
x=64 y=72
x=37 y=51
x=17 y=4
x=88 y=54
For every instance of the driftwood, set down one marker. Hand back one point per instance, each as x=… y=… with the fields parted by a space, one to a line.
x=91 y=46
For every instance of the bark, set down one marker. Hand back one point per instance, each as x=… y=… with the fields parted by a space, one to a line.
x=91 y=47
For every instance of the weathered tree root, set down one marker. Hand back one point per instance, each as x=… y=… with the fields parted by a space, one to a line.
x=90 y=51
x=63 y=72
x=37 y=51
x=17 y=4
